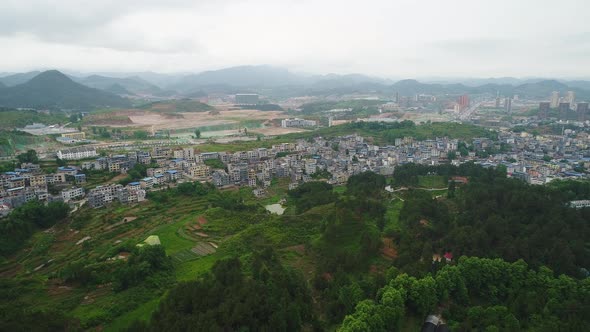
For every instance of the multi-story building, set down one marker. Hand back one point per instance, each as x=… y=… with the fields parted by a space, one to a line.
x=72 y=193
x=38 y=181
x=296 y=122
x=582 y=111
x=76 y=153
x=198 y=171
x=463 y=102
x=554 y=99
x=563 y=109
x=544 y=109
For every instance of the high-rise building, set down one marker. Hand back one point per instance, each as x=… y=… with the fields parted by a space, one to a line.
x=544 y=109
x=397 y=97
x=571 y=96
x=563 y=110
x=554 y=99
x=508 y=104
x=463 y=101
x=582 y=111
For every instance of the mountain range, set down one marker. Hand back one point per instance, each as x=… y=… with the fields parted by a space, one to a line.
x=54 y=89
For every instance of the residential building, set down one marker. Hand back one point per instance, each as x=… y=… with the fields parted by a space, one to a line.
x=582 y=111
x=563 y=110
x=296 y=122
x=544 y=109
x=554 y=99
x=72 y=193
x=76 y=153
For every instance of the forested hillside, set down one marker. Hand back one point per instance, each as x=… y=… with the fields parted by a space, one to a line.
x=486 y=253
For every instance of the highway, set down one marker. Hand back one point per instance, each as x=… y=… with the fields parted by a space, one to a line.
x=468 y=112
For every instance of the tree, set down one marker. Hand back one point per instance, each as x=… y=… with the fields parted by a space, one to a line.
x=197 y=133
x=140 y=134
x=28 y=157
x=452 y=187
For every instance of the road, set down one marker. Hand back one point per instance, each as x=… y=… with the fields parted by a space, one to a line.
x=468 y=112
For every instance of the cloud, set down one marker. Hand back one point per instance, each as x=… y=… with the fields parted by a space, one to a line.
x=379 y=37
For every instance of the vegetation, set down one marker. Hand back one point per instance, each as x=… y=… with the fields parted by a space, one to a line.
x=352 y=257
x=54 y=90
x=311 y=194
x=28 y=157
x=478 y=295
x=25 y=220
x=270 y=298
x=215 y=163
x=12 y=118
x=14 y=141
x=354 y=105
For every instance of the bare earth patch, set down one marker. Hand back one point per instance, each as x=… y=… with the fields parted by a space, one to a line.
x=198 y=119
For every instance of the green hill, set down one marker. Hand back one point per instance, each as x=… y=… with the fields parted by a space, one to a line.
x=54 y=90
x=135 y=85
x=18 y=78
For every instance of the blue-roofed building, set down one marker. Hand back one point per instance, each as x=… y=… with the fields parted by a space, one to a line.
x=146 y=183
x=134 y=185
x=172 y=175
x=67 y=170
x=159 y=179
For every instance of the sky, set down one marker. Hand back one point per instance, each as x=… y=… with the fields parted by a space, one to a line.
x=386 y=38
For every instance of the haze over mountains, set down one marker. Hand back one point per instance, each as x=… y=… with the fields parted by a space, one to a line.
x=52 y=89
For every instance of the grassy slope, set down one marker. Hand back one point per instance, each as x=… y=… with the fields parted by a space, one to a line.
x=19 y=118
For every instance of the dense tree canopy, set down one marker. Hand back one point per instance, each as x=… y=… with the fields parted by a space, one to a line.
x=311 y=194
x=480 y=294
x=263 y=296
x=24 y=220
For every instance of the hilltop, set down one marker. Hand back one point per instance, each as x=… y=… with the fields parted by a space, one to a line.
x=52 y=89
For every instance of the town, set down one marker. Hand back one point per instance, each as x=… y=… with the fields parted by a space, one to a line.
x=535 y=159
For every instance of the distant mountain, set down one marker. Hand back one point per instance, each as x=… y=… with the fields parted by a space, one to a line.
x=135 y=85
x=52 y=89
x=20 y=78
x=118 y=89
x=411 y=87
x=281 y=83
x=333 y=81
x=579 y=84
x=541 y=89
x=476 y=82
x=242 y=76
x=2 y=85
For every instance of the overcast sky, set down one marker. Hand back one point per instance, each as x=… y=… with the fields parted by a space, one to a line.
x=388 y=38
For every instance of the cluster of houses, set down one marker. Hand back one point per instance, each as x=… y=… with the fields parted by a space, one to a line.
x=29 y=182
x=536 y=159
x=539 y=159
